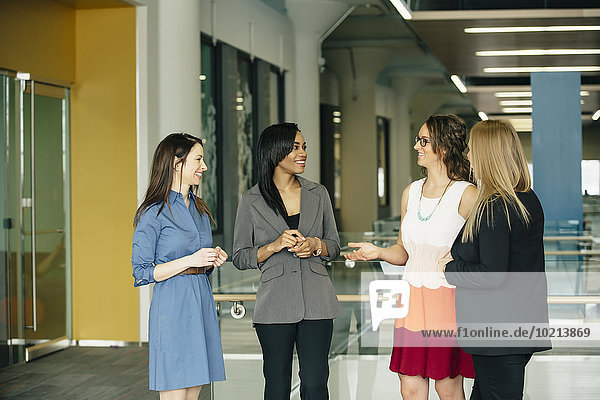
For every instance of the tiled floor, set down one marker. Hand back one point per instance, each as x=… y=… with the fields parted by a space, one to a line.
x=81 y=373
x=121 y=373
x=367 y=377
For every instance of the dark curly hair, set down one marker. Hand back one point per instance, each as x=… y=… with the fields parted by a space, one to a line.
x=449 y=137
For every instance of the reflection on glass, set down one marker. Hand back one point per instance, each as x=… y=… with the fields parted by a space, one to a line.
x=209 y=131
x=273 y=98
x=337 y=160
x=49 y=219
x=245 y=124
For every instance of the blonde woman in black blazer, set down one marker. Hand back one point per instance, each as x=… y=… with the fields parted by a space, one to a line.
x=497 y=262
x=285 y=227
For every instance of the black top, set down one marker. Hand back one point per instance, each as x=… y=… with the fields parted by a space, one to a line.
x=293 y=220
x=500 y=276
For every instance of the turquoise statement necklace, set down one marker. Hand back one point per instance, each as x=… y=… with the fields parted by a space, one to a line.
x=422 y=218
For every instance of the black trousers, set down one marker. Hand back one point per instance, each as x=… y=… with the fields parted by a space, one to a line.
x=312 y=339
x=499 y=377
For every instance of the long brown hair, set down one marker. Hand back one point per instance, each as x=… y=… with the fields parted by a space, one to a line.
x=449 y=138
x=500 y=167
x=176 y=146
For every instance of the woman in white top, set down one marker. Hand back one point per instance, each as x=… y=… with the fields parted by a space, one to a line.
x=433 y=211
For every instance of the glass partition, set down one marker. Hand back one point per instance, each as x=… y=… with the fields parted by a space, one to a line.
x=359 y=355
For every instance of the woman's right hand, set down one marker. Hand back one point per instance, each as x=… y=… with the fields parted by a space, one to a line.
x=288 y=239
x=364 y=252
x=203 y=257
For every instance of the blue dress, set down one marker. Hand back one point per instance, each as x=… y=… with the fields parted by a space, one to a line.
x=184 y=340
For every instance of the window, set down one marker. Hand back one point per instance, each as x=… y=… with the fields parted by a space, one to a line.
x=590 y=177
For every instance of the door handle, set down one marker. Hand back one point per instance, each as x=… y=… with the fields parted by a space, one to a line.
x=33 y=236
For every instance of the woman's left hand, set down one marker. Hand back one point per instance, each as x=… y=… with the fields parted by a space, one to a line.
x=306 y=248
x=441 y=266
x=221 y=257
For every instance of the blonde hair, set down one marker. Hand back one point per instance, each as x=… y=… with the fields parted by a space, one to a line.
x=500 y=167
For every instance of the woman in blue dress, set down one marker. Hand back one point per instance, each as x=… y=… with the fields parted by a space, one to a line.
x=172 y=247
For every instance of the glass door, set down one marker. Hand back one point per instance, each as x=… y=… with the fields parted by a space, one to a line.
x=36 y=220
x=5 y=254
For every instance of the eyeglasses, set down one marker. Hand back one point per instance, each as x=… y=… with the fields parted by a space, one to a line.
x=422 y=141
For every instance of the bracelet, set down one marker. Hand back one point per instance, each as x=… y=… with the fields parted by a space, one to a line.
x=319 y=250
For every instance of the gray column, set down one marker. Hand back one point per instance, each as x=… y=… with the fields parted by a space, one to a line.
x=178 y=59
x=556 y=146
x=311 y=18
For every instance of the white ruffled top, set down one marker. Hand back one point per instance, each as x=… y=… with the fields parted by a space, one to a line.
x=428 y=241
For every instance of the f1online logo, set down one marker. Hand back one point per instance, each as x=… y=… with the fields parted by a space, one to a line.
x=389 y=299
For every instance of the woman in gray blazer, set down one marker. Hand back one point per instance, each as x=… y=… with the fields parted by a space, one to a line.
x=285 y=227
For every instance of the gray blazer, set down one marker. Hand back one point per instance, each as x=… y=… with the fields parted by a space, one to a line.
x=291 y=288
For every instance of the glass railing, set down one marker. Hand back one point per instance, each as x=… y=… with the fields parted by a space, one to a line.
x=359 y=356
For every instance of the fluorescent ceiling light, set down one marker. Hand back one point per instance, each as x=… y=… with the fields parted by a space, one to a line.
x=459 y=84
x=500 y=70
x=536 y=52
x=522 y=124
x=596 y=115
x=402 y=8
x=517 y=110
x=512 y=94
x=482 y=115
x=25 y=76
x=521 y=121
x=528 y=94
x=516 y=102
x=518 y=29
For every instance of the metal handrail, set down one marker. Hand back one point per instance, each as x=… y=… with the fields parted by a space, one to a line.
x=364 y=298
x=584 y=252
x=572 y=252
x=586 y=238
x=569 y=238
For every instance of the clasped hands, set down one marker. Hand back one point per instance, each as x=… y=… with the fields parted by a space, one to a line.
x=296 y=243
x=208 y=257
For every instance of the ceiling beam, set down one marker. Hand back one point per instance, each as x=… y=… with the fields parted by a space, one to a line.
x=332 y=44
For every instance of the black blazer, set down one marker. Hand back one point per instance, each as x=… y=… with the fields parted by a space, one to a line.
x=500 y=276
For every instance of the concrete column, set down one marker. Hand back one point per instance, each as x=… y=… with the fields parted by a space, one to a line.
x=402 y=154
x=359 y=130
x=311 y=19
x=557 y=146
x=178 y=61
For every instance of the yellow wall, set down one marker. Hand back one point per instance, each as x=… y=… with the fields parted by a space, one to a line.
x=38 y=36
x=103 y=175
x=94 y=49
